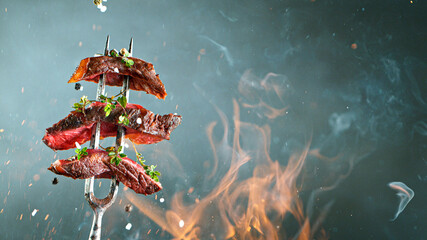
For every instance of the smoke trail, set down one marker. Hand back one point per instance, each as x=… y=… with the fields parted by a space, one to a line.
x=405 y=194
x=223 y=49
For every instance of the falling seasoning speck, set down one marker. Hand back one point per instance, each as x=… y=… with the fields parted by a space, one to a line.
x=149 y=231
x=354 y=46
x=34 y=212
x=47 y=216
x=23 y=122
x=80 y=44
x=78 y=86
x=20 y=218
x=128 y=208
x=181 y=223
x=22 y=90
x=55 y=181
x=1 y=130
x=128 y=226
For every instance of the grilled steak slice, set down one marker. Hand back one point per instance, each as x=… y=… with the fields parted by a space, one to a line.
x=142 y=74
x=77 y=127
x=97 y=164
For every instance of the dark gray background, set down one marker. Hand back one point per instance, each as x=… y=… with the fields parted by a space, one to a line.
x=367 y=105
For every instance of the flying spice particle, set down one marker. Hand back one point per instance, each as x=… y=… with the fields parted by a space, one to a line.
x=77 y=86
x=128 y=208
x=47 y=216
x=55 y=181
x=354 y=46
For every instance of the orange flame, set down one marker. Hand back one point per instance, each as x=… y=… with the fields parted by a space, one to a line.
x=243 y=208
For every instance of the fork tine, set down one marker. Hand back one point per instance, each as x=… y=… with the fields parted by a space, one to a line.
x=107 y=45
x=131 y=47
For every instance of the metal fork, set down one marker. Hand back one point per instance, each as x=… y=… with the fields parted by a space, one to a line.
x=99 y=206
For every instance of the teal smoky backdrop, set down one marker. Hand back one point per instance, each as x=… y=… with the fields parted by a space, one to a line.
x=301 y=119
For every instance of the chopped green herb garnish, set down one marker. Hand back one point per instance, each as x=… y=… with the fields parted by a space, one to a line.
x=129 y=63
x=81 y=152
x=153 y=174
x=148 y=169
x=114 y=53
x=123 y=54
x=123 y=119
x=80 y=106
x=122 y=100
x=116 y=156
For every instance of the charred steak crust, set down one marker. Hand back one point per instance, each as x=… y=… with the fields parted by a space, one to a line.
x=97 y=164
x=142 y=74
x=77 y=127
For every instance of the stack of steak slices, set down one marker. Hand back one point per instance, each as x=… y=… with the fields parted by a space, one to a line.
x=144 y=126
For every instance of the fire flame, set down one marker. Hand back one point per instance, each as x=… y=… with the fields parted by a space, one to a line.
x=255 y=207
